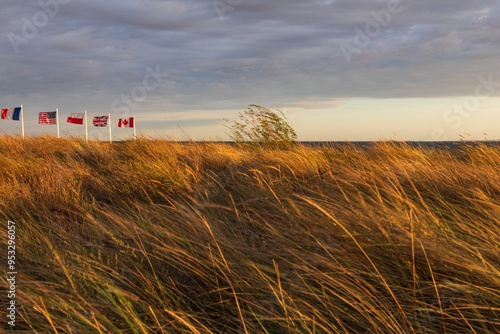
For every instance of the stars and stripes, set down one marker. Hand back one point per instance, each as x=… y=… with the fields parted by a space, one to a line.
x=100 y=121
x=47 y=118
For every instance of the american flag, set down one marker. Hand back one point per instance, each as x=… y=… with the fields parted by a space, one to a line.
x=100 y=121
x=47 y=117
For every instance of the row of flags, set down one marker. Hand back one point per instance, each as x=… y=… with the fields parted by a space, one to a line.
x=52 y=118
x=74 y=118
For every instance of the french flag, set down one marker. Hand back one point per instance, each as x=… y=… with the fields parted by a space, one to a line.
x=13 y=114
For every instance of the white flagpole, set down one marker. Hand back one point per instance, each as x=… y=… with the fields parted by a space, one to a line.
x=109 y=126
x=86 y=128
x=135 y=126
x=57 y=122
x=22 y=121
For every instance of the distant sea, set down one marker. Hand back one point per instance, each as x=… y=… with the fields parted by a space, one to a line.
x=421 y=144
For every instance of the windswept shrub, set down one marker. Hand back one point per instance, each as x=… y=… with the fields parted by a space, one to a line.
x=263 y=127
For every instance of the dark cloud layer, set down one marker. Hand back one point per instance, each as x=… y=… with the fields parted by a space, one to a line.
x=226 y=54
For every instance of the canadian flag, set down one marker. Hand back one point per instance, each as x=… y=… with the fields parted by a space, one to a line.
x=126 y=122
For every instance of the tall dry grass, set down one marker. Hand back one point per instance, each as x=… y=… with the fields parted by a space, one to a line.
x=153 y=236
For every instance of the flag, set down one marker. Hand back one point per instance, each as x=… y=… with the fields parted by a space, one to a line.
x=100 y=121
x=11 y=114
x=76 y=118
x=47 y=117
x=126 y=122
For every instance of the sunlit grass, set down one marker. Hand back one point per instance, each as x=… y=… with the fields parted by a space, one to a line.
x=153 y=236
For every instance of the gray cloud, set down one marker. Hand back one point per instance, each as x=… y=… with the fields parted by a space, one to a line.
x=264 y=52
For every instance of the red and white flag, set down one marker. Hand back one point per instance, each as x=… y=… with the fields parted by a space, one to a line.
x=126 y=122
x=76 y=118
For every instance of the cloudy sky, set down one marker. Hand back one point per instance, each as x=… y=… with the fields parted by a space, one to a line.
x=339 y=69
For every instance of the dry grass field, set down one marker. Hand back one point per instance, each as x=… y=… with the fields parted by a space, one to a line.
x=153 y=236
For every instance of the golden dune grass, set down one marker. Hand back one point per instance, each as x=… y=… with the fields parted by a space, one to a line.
x=153 y=236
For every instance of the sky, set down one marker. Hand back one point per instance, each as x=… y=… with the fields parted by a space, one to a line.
x=338 y=69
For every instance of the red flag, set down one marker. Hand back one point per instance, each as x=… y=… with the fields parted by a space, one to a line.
x=76 y=118
x=126 y=122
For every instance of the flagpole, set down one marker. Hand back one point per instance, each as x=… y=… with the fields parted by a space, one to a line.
x=22 y=121
x=109 y=125
x=57 y=122
x=135 y=126
x=86 y=128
